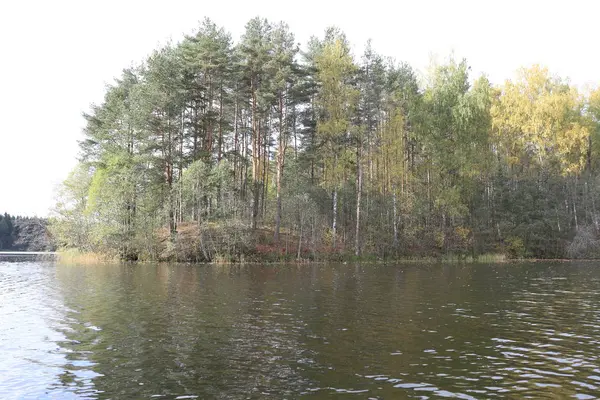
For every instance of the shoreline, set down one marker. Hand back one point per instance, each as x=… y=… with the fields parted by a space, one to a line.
x=69 y=257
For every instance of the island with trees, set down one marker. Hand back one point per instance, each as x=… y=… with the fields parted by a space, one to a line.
x=211 y=150
x=24 y=234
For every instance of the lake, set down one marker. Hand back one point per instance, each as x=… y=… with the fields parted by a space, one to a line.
x=314 y=331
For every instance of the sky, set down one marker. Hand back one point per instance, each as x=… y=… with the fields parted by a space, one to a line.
x=58 y=56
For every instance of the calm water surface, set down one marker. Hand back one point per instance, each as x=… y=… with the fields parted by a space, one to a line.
x=314 y=331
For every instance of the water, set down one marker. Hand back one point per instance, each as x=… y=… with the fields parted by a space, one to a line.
x=314 y=331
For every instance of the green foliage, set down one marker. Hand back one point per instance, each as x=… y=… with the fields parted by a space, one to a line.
x=515 y=247
x=207 y=135
x=24 y=234
x=6 y=232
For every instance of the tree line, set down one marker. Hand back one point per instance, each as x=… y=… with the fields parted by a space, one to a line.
x=24 y=234
x=236 y=147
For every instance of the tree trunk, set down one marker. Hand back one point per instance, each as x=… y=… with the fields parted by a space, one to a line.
x=195 y=151
x=209 y=130
x=220 y=151
x=574 y=204
x=255 y=157
x=300 y=240
x=167 y=149
x=235 y=139
x=265 y=174
x=358 y=199
x=588 y=164
x=180 y=172
x=280 y=164
x=334 y=223
x=171 y=205
x=395 y=216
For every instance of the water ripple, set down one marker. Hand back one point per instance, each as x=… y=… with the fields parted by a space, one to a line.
x=185 y=332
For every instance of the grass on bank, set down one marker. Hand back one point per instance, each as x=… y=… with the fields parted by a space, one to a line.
x=75 y=256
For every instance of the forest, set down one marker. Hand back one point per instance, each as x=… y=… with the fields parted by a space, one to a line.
x=24 y=234
x=210 y=150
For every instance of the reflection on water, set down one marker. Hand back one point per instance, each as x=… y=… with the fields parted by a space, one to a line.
x=33 y=326
x=407 y=331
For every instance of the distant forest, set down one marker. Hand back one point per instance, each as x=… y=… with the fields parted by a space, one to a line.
x=214 y=150
x=24 y=234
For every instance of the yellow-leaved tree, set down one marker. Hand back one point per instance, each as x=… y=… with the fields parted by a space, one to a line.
x=538 y=123
x=337 y=100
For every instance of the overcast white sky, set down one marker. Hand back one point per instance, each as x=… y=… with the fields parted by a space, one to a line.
x=57 y=56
